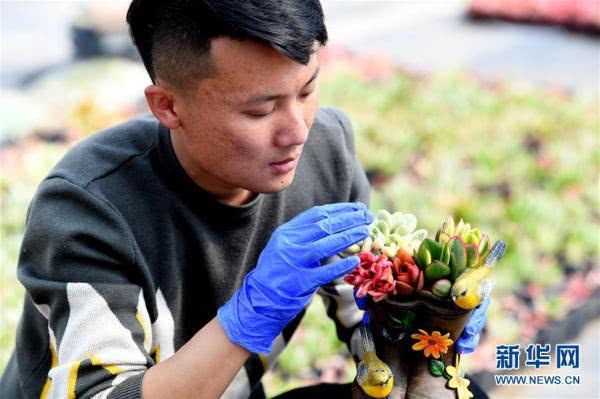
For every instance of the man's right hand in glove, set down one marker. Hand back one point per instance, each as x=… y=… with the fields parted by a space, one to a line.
x=289 y=272
x=287 y=275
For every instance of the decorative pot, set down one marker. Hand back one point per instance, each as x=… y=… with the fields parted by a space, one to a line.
x=393 y=323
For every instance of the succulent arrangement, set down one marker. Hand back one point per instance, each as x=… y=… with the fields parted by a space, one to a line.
x=396 y=260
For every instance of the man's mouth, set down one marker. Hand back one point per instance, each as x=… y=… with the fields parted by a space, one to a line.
x=283 y=161
x=284 y=166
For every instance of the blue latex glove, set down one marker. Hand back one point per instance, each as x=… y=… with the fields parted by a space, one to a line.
x=470 y=337
x=360 y=302
x=362 y=305
x=289 y=272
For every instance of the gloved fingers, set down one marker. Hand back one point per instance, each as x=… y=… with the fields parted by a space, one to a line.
x=345 y=221
x=317 y=213
x=309 y=232
x=335 y=224
x=467 y=343
x=482 y=307
x=475 y=325
x=334 y=243
x=478 y=318
x=332 y=271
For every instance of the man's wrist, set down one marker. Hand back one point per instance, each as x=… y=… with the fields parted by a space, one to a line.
x=247 y=328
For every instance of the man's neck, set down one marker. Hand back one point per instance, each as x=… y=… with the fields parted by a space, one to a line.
x=236 y=199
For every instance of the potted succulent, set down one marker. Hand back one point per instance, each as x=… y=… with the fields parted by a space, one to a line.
x=419 y=295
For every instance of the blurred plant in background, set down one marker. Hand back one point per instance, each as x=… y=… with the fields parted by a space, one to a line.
x=521 y=164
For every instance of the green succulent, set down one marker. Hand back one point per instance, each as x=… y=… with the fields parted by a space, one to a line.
x=476 y=244
x=456 y=247
x=389 y=233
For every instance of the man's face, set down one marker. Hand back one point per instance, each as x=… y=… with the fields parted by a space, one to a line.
x=243 y=129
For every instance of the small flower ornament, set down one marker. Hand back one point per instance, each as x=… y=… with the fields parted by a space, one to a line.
x=433 y=344
x=458 y=382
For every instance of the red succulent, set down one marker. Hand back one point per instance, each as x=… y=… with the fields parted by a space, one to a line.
x=409 y=278
x=373 y=276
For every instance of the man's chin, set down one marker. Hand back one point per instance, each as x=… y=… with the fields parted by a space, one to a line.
x=275 y=184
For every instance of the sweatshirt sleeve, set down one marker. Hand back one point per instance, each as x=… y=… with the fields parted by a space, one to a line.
x=337 y=295
x=85 y=331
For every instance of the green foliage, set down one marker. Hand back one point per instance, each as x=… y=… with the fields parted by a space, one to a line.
x=441 y=288
x=436 y=270
x=436 y=367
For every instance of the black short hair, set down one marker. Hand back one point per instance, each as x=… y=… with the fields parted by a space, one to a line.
x=173 y=36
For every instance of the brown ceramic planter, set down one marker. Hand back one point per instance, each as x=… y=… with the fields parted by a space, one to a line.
x=393 y=342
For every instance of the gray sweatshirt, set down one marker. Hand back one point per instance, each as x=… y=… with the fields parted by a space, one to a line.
x=125 y=258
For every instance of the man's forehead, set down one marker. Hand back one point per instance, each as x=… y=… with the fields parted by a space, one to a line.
x=247 y=69
x=274 y=95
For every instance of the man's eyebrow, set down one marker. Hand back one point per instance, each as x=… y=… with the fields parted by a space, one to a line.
x=314 y=76
x=270 y=97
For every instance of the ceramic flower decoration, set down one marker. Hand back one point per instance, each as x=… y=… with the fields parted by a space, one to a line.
x=373 y=276
x=407 y=275
x=434 y=344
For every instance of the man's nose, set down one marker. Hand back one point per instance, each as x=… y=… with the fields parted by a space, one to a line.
x=292 y=130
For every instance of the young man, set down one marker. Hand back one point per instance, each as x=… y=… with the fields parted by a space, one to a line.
x=166 y=256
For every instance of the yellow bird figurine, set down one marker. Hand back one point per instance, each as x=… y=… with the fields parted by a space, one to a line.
x=373 y=375
x=474 y=285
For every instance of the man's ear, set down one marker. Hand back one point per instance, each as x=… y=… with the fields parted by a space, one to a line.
x=161 y=104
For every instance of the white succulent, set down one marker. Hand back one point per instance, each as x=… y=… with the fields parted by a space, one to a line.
x=389 y=233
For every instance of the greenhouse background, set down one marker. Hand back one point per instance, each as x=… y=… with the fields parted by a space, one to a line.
x=484 y=110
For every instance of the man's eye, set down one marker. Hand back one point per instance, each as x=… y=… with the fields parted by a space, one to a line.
x=259 y=114
x=306 y=94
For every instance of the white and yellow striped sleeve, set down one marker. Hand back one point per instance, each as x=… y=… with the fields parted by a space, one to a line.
x=88 y=324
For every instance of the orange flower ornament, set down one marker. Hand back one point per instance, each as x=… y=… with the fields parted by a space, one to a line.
x=433 y=344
